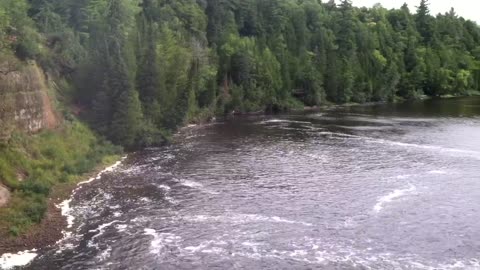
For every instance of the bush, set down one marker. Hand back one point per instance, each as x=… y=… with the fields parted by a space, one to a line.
x=35 y=187
x=14 y=231
x=35 y=210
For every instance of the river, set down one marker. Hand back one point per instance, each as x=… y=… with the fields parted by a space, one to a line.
x=394 y=186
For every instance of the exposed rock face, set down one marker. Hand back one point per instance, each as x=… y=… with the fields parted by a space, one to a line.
x=4 y=195
x=24 y=101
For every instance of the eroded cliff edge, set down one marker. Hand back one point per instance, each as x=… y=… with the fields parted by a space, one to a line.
x=25 y=104
x=25 y=101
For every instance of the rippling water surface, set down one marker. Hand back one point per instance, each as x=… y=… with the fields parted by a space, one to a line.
x=366 y=187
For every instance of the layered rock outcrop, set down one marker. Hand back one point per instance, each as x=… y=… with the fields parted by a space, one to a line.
x=25 y=104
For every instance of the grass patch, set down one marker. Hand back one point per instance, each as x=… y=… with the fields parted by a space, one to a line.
x=30 y=166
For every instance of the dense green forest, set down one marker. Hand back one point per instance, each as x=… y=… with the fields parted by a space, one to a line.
x=141 y=68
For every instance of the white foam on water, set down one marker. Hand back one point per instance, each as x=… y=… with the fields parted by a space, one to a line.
x=145 y=200
x=392 y=196
x=121 y=227
x=372 y=120
x=298 y=253
x=196 y=185
x=311 y=127
x=403 y=176
x=252 y=245
x=365 y=128
x=283 y=220
x=338 y=134
x=316 y=255
x=195 y=249
x=436 y=148
x=67 y=210
x=65 y=246
x=274 y=121
x=189 y=137
x=318 y=252
x=416 y=120
x=132 y=170
x=106 y=170
x=161 y=240
x=171 y=200
x=167 y=192
x=214 y=250
x=190 y=183
x=151 y=232
x=349 y=222
x=100 y=230
x=438 y=172
x=139 y=220
x=210 y=246
x=472 y=264
x=105 y=254
x=9 y=260
x=244 y=218
x=408 y=176
x=114 y=207
x=468 y=153
x=290 y=128
x=322 y=158
x=164 y=187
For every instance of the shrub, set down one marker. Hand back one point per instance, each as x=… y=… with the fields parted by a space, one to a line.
x=14 y=231
x=35 y=187
x=36 y=209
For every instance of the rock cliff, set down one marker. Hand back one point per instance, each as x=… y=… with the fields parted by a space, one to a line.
x=25 y=104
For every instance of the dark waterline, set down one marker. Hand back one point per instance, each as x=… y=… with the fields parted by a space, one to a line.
x=394 y=186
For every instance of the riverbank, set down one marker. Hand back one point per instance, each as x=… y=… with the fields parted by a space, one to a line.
x=50 y=229
x=177 y=206
x=53 y=223
x=41 y=170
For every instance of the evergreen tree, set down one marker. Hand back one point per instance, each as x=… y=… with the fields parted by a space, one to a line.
x=424 y=21
x=140 y=67
x=127 y=119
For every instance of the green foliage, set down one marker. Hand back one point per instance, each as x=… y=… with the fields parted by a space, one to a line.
x=127 y=119
x=142 y=68
x=31 y=166
x=17 y=29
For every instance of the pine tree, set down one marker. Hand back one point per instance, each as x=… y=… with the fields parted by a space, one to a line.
x=102 y=110
x=127 y=119
x=332 y=76
x=424 y=21
x=148 y=81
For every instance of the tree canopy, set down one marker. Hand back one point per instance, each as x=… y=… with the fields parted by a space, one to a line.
x=144 y=67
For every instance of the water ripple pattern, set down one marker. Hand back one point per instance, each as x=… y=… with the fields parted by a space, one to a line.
x=363 y=187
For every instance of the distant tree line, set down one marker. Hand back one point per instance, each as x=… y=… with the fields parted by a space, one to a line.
x=142 y=68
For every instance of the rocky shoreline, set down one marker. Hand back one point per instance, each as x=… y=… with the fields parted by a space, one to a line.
x=50 y=230
x=47 y=233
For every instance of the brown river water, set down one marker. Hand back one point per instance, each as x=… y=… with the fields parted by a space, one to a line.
x=393 y=186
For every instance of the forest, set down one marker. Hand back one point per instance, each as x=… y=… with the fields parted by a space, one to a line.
x=138 y=69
